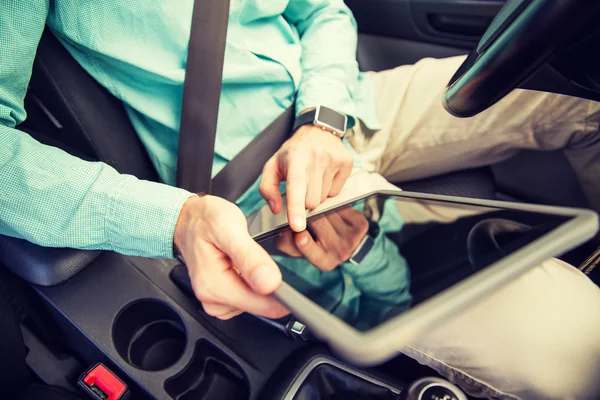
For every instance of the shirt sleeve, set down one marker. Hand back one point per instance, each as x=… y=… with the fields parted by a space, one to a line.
x=328 y=34
x=54 y=199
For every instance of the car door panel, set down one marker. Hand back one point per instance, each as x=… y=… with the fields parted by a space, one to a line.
x=378 y=53
x=454 y=22
x=399 y=32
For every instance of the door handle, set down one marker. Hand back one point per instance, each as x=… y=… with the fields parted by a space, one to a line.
x=461 y=25
x=459 y=21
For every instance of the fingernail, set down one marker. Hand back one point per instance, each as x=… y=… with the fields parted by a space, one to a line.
x=263 y=278
x=271 y=205
x=303 y=240
x=299 y=223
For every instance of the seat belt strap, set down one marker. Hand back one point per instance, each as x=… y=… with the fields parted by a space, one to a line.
x=200 y=109
x=201 y=94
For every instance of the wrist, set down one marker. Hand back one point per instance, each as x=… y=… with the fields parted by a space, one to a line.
x=307 y=110
x=185 y=216
x=324 y=118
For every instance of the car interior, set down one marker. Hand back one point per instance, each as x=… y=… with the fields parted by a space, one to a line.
x=137 y=316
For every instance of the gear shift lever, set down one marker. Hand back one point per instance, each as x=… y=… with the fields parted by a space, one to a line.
x=432 y=389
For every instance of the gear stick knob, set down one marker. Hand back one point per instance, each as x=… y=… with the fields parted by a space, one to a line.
x=432 y=388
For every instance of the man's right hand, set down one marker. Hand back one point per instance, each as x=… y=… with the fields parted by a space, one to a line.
x=229 y=271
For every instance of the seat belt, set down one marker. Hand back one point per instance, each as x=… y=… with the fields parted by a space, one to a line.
x=201 y=94
x=200 y=108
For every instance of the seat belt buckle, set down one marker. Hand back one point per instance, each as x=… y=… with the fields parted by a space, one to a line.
x=100 y=383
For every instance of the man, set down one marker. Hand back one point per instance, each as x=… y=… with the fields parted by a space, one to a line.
x=280 y=52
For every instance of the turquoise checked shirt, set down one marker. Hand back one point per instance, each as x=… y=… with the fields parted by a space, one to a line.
x=278 y=52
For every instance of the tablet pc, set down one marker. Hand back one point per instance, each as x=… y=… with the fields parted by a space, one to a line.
x=374 y=272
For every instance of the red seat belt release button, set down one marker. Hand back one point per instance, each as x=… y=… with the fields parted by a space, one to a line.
x=101 y=384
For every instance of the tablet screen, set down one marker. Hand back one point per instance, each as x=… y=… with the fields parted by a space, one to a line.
x=371 y=260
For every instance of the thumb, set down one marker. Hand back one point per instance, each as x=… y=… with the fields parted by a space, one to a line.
x=255 y=265
x=269 y=185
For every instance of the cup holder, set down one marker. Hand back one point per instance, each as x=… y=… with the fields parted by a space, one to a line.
x=149 y=335
x=210 y=374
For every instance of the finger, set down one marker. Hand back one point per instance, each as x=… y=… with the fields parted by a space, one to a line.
x=224 y=294
x=315 y=185
x=323 y=231
x=339 y=224
x=347 y=213
x=285 y=243
x=218 y=310
x=338 y=243
x=328 y=177
x=254 y=263
x=296 y=192
x=340 y=180
x=354 y=219
x=240 y=296
x=230 y=315
x=269 y=184
x=313 y=252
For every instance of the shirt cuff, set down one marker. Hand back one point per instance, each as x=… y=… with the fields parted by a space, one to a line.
x=142 y=215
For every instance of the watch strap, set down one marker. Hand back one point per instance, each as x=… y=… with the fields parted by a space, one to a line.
x=366 y=244
x=304 y=119
x=362 y=250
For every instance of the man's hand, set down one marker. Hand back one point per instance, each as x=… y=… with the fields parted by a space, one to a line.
x=229 y=271
x=315 y=165
x=331 y=241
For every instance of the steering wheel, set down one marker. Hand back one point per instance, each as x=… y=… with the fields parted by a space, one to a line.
x=523 y=37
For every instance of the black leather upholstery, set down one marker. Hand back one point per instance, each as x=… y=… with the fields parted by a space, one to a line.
x=90 y=119
x=476 y=183
x=544 y=177
x=41 y=265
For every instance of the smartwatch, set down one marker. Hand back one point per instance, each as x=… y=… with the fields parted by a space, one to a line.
x=327 y=119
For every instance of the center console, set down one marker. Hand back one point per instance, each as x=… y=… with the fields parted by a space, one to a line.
x=127 y=313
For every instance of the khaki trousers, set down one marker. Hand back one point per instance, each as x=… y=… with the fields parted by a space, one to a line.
x=419 y=138
x=539 y=337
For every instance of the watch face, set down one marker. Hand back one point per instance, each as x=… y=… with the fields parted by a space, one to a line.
x=331 y=118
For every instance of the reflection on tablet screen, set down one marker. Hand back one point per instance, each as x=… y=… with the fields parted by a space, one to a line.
x=375 y=258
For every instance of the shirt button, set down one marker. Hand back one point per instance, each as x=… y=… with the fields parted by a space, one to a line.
x=349 y=281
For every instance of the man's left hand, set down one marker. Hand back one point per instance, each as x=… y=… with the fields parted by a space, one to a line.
x=315 y=165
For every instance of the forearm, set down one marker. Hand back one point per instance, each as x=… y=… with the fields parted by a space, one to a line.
x=383 y=274
x=57 y=200
x=329 y=39
x=54 y=199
